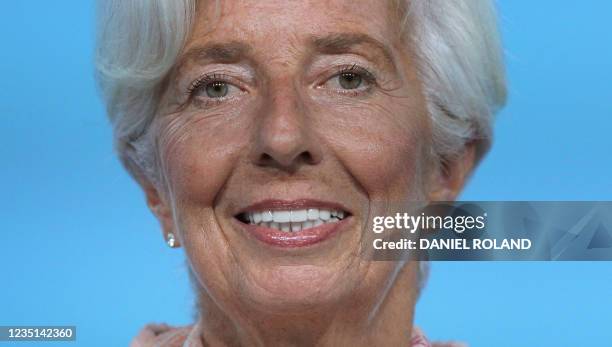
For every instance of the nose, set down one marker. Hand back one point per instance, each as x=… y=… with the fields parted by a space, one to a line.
x=285 y=138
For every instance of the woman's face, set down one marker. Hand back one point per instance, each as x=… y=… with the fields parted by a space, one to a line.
x=290 y=110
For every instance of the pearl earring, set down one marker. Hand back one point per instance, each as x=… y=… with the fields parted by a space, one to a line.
x=171 y=241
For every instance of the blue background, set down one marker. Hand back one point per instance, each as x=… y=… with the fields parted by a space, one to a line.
x=79 y=247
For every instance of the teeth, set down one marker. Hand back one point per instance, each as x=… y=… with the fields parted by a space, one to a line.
x=324 y=214
x=294 y=220
x=313 y=214
x=299 y=216
x=282 y=216
x=267 y=216
x=295 y=227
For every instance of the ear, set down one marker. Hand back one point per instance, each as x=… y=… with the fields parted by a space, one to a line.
x=159 y=205
x=450 y=176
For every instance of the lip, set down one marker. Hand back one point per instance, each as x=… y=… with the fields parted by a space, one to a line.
x=302 y=238
x=277 y=204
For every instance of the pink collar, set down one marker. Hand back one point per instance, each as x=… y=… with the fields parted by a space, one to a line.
x=163 y=335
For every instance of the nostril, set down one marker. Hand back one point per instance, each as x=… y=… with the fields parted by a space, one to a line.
x=306 y=157
x=286 y=161
x=266 y=160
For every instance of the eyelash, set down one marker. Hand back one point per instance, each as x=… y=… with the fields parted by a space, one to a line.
x=206 y=79
x=355 y=68
x=368 y=77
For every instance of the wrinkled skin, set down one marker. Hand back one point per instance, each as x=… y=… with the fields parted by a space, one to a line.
x=287 y=128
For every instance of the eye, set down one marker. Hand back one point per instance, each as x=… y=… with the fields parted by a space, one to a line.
x=217 y=89
x=213 y=88
x=349 y=80
x=352 y=79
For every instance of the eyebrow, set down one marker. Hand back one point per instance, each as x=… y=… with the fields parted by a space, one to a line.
x=338 y=43
x=227 y=52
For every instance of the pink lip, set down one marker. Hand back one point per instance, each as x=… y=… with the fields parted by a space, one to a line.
x=275 y=204
x=292 y=240
x=302 y=238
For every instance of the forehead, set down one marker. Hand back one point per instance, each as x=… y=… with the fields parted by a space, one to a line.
x=269 y=23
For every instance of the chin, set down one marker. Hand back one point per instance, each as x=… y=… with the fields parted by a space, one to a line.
x=297 y=288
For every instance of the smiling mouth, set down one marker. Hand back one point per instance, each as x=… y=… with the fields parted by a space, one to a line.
x=293 y=221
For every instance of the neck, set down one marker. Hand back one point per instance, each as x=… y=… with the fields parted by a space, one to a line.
x=363 y=320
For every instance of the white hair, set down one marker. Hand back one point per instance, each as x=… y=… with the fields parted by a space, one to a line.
x=462 y=70
x=460 y=62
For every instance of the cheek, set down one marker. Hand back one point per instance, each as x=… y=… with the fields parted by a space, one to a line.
x=385 y=149
x=197 y=155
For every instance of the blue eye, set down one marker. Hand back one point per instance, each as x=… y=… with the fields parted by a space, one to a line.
x=216 y=89
x=213 y=86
